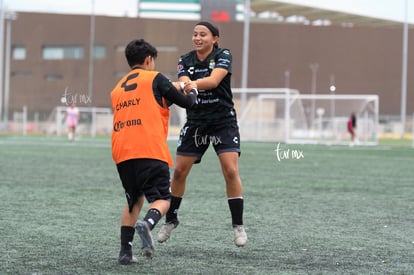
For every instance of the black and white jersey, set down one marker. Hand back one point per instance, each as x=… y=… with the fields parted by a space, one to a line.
x=214 y=106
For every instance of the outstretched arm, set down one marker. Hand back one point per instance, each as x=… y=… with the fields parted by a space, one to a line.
x=206 y=83
x=168 y=91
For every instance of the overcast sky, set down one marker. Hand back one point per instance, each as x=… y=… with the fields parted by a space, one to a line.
x=385 y=9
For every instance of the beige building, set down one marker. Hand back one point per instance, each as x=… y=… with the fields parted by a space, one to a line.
x=50 y=58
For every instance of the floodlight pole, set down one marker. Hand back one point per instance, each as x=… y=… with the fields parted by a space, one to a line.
x=404 y=71
x=245 y=59
x=91 y=52
x=332 y=89
x=1 y=56
x=10 y=16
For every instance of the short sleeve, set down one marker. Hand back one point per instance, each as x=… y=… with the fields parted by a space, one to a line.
x=224 y=60
x=181 y=68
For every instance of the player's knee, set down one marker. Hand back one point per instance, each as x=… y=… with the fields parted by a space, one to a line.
x=180 y=174
x=230 y=173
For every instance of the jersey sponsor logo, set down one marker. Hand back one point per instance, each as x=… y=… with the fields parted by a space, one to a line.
x=223 y=62
x=118 y=126
x=130 y=87
x=180 y=69
x=190 y=70
x=209 y=101
x=212 y=64
x=202 y=70
x=127 y=103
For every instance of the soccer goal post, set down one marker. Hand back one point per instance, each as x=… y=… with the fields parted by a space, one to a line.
x=412 y=131
x=92 y=121
x=285 y=115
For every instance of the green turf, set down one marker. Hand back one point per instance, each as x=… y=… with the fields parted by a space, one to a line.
x=396 y=142
x=334 y=210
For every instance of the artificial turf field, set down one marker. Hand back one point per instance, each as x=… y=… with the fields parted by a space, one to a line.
x=312 y=210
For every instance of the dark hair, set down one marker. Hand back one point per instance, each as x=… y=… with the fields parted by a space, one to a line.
x=137 y=50
x=213 y=29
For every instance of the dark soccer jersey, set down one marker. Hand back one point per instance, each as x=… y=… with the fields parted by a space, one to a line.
x=214 y=106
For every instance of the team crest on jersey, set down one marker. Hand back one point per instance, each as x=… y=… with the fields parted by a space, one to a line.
x=212 y=64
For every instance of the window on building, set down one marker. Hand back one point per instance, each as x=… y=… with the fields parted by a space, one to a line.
x=167 y=48
x=52 y=77
x=120 y=48
x=62 y=52
x=99 y=52
x=19 y=53
x=21 y=74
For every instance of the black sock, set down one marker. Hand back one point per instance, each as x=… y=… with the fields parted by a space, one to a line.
x=236 y=210
x=172 y=214
x=127 y=236
x=152 y=217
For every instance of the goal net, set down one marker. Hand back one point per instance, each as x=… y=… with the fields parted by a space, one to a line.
x=92 y=121
x=285 y=115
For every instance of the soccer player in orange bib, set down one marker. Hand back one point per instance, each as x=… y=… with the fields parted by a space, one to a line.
x=140 y=102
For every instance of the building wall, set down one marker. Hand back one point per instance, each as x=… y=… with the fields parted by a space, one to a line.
x=358 y=60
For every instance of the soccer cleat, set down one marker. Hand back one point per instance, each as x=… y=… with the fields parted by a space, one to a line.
x=144 y=233
x=126 y=258
x=240 y=236
x=165 y=230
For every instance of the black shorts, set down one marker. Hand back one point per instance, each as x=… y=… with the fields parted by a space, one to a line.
x=149 y=177
x=194 y=140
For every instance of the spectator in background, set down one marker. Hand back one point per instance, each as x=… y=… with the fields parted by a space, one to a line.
x=352 y=124
x=72 y=119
